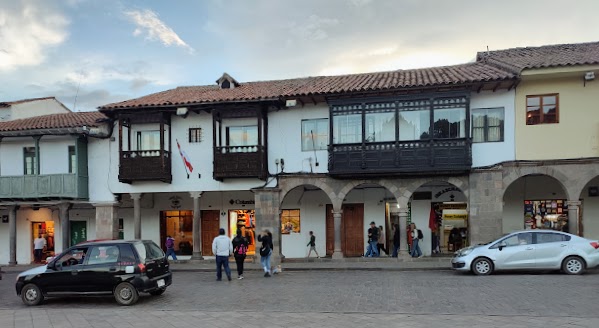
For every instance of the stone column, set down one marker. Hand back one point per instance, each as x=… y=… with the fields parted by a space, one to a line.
x=403 y=226
x=197 y=226
x=136 y=215
x=65 y=227
x=337 y=253
x=573 y=219
x=12 y=226
x=485 y=216
x=267 y=210
x=107 y=223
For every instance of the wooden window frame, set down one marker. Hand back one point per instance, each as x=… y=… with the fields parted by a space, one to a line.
x=29 y=152
x=486 y=126
x=541 y=113
x=195 y=135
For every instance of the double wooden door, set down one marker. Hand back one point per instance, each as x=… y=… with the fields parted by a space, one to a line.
x=352 y=230
x=210 y=225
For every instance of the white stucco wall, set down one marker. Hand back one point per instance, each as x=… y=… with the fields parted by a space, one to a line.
x=37 y=108
x=590 y=211
x=54 y=154
x=489 y=153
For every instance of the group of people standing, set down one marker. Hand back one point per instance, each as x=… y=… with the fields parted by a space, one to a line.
x=376 y=240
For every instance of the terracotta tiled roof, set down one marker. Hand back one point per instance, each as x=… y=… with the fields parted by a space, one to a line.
x=321 y=85
x=53 y=121
x=557 y=55
x=16 y=102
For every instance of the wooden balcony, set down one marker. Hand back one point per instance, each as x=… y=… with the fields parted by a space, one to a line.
x=44 y=187
x=145 y=165
x=240 y=162
x=443 y=156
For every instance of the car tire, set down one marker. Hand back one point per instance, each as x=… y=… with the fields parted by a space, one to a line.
x=482 y=266
x=32 y=295
x=126 y=294
x=573 y=265
x=158 y=292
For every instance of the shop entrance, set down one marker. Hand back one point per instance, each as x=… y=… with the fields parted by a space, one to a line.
x=46 y=230
x=246 y=221
x=352 y=230
x=210 y=225
x=179 y=225
x=546 y=214
x=449 y=226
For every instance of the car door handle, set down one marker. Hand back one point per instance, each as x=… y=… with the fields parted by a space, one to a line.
x=113 y=269
x=529 y=248
x=75 y=272
x=563 y=245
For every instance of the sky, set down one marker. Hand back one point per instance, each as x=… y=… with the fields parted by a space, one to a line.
x=89 y=53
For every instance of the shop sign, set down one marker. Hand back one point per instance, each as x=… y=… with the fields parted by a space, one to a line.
x=175 y=202
x=455 y=216
x=446 y=190
x=241 y=202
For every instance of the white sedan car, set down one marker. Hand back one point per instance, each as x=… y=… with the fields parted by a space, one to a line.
x=530 y=250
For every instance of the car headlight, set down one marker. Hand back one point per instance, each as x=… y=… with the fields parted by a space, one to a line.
x=464 y=251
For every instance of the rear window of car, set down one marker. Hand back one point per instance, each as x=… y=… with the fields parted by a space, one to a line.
x=148 y=251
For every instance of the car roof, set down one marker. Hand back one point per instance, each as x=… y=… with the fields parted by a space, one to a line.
x=111 y=242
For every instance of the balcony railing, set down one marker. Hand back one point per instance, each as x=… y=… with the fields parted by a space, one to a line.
x=145 y=165
x=441 y=156
x=44 y=186
x=240 y=162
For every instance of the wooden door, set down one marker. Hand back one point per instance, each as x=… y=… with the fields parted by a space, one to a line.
x=330 y=230
x=352 y=230
x=210 y=225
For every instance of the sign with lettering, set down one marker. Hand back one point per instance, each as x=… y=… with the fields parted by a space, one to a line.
x=241 y=202
x=446 y=190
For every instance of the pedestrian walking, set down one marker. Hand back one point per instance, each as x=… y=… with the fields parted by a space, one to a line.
x=380 y=246
x=373 y=237
x=170 y=247
x=312 y=244
x=222 y=247
x=240 y=248
x=416 y=237
x=38 y=248
x=396 y=234
x=265 y=251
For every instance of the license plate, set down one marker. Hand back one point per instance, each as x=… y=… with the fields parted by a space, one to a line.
x=161 y=283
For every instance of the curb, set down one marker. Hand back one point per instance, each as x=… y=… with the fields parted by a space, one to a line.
x=326 y=269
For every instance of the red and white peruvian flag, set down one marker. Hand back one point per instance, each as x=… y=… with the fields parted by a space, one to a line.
x=185 y=158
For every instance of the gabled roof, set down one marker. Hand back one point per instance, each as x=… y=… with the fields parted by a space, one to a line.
x=519 y=59
x=16 y=102
x=53 y=121
x=321 y=85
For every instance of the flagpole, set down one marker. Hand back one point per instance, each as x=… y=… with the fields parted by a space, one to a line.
x=182 y=160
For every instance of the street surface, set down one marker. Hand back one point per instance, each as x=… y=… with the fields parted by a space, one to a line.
x=330 y=299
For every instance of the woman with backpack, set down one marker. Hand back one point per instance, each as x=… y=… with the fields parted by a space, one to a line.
x=416 y=237
x=240 y=248
x=266 y=250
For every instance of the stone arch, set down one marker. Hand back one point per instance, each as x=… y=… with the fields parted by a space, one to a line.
x=388 y=184
x=519 y=172
x=288 y=184
x=578 y=188
x=458 y=182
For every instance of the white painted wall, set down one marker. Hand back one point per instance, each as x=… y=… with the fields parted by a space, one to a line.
x=37 y=108
x=489 y=153
x=100 y=159
x=4 y=240
x=54 y=154
x=590 y=212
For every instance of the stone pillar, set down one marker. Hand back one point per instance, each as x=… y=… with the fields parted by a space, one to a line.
x=485 y=217
x=107 y=223
x=267 y=210
x=12 y=227
x=197 y=226
x=136 y=215
x=573 y=219
x=337 y=253
x=65 y=227
x=403 y=226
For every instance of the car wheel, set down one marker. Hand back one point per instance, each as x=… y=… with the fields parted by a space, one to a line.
x=573 y=265
x=482 y=267
x=126 y=294
x=31 y=294
x=158 y=292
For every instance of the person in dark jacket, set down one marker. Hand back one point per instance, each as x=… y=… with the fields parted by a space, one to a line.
x=240 y=247
x=266 y=250
x=312 y=244
x=396 y=234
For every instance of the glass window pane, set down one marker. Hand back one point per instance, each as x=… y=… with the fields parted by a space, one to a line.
x=533 y=101
x=414 y=125
x=380 y=127
x=549 y=100
x=450 y=123
x=315 y=134
x=347 y=129
x=243 y=135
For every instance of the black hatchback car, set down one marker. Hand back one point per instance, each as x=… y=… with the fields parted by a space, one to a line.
x=115 y=267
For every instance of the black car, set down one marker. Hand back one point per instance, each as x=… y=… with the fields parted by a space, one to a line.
x=117 y=267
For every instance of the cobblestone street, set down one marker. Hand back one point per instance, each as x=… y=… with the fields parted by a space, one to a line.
x=330 y=298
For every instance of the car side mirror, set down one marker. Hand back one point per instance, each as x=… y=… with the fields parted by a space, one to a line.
x=502 y=245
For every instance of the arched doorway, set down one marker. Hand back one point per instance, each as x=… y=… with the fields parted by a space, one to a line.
x=535 y=201
x=304 y=209
x=440 y=210
x=589 y=209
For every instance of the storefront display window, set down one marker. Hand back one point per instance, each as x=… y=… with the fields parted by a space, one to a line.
x=290 y=221
x=179 y=225
x=46 y=230
x=546 y=214
x=245 y=221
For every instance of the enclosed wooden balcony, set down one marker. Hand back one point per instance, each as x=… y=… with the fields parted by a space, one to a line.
x=401 y=158
x=44 y=187
x=145 y=165
x=240 y=162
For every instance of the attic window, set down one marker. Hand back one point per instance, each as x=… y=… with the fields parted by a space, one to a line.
x=227 y=82
x=225 y=85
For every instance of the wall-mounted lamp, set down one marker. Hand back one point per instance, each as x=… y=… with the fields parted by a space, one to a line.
x=588 y=76
x=223 y=213
x=182 y=111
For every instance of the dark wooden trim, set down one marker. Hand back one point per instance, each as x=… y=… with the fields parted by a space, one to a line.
x=120 y=136
x=541 y=112
x=265 y=154
x=162 y=142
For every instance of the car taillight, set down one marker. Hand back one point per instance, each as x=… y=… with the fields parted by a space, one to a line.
x=595 y=244
x=141 y=267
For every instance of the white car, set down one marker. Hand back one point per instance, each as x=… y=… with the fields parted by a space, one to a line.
x=530 y=250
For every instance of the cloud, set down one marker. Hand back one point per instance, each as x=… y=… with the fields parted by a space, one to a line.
x=148 y=23
x=26 y=34
x=315 y=28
